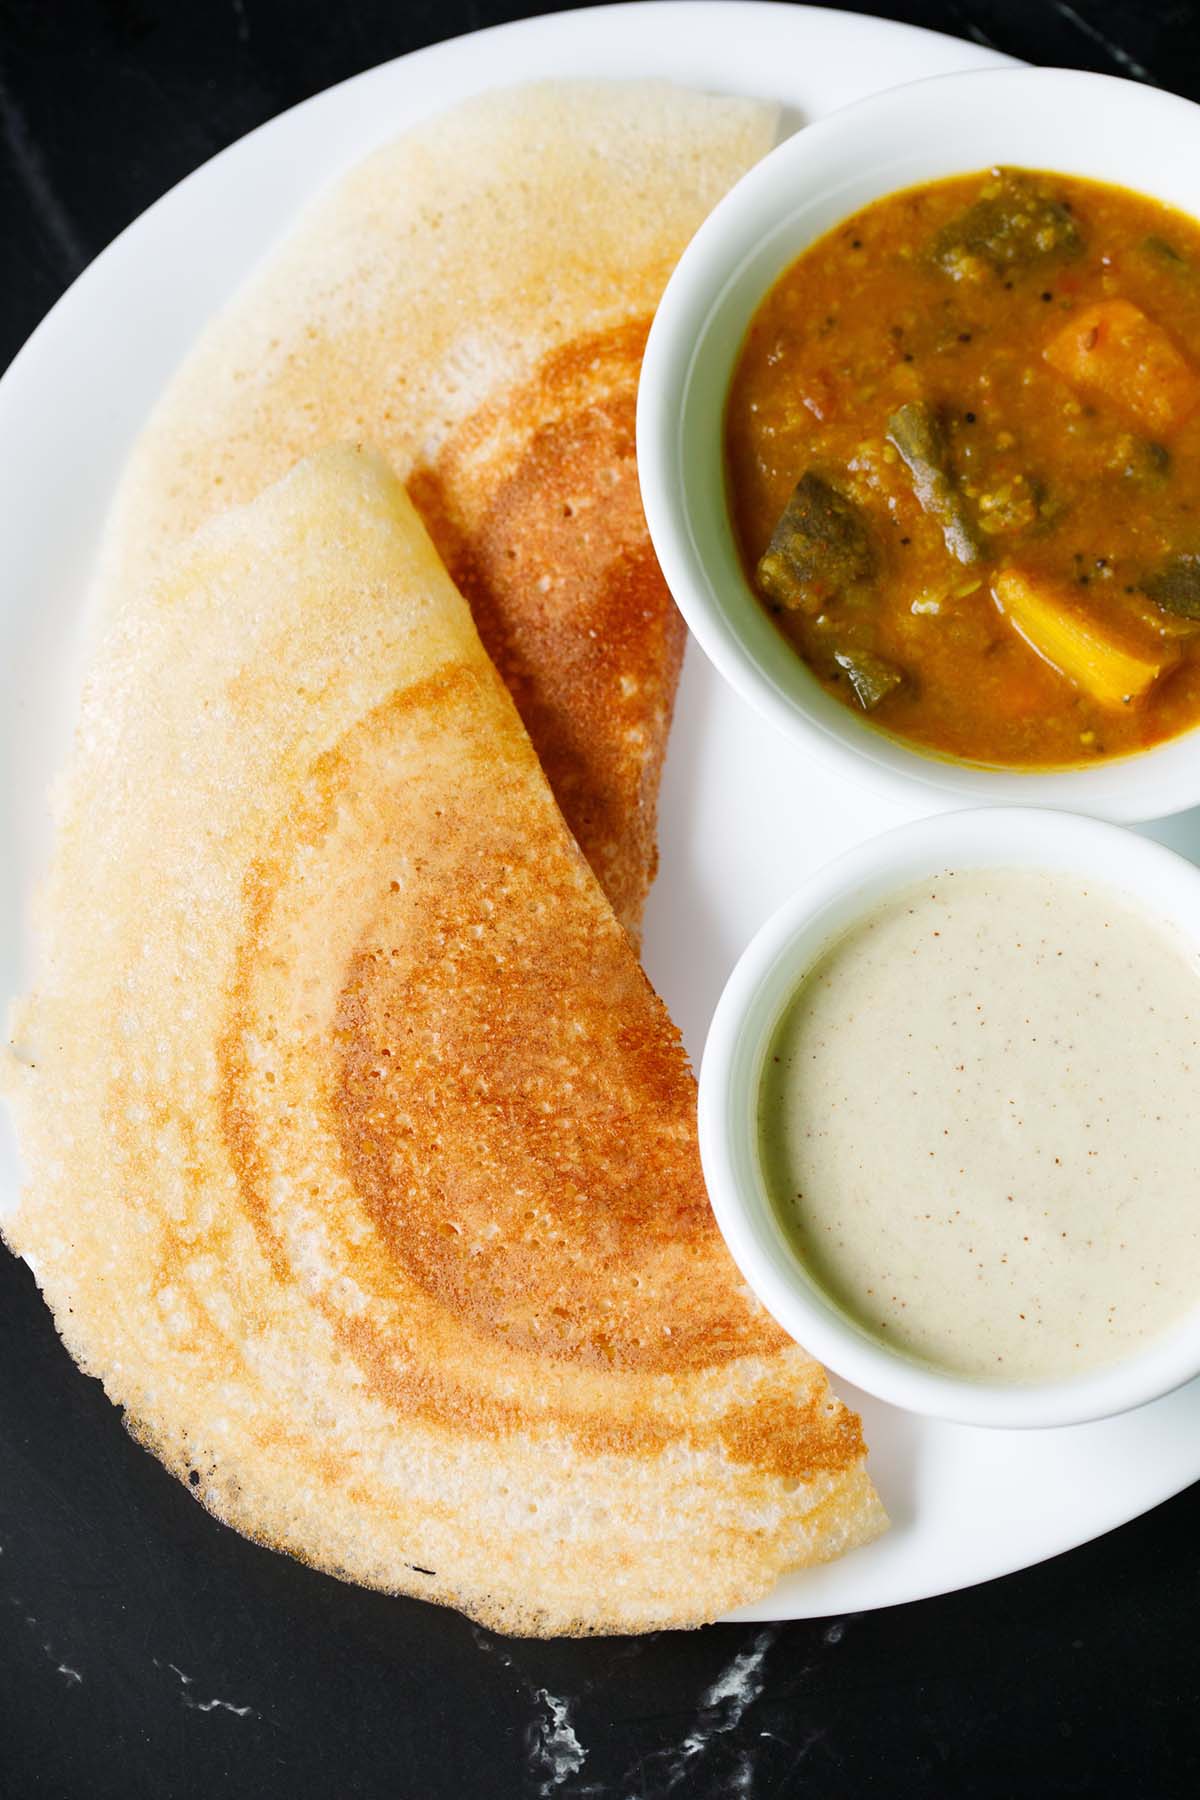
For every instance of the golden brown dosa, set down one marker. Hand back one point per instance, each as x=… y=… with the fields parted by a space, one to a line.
x=473 y=300
x=362 y=1158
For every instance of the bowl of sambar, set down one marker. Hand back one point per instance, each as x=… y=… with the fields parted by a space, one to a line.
x=919 y=440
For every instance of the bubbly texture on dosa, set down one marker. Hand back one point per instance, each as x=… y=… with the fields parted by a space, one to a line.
x=362 y=1158
x=473 y=300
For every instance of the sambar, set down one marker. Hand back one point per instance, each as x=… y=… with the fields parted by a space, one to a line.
x=963 y=465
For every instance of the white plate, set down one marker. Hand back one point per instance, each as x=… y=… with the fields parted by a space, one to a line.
x=744 y=816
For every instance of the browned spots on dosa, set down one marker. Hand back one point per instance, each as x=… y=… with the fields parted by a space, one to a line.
x=551 y=1195
x=796 y=1439
x=535 y=506
x=514 y=1114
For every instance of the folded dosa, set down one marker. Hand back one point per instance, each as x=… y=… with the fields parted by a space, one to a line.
x=362 y=1165
x=473 y=300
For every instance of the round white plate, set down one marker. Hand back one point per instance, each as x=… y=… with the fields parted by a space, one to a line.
x=744 y=816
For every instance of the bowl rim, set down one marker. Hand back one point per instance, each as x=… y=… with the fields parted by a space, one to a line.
x=1159 y=880
x=803 y=171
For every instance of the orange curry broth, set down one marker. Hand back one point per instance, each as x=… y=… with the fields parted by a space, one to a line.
x=864 y=321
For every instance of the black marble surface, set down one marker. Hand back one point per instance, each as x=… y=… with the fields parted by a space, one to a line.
x=147 y=1651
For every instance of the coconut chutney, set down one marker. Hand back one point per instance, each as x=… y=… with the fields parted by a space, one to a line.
x=978 y=1124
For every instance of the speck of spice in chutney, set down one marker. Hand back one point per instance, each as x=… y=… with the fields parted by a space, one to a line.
x=977 y=1124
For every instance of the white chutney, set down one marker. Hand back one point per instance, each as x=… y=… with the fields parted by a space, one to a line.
x=979 y=1124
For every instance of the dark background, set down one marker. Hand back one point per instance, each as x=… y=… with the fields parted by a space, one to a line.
x=131 y=1625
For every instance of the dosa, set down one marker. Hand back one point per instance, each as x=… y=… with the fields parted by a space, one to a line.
x=362 y=1162
x=473 y=300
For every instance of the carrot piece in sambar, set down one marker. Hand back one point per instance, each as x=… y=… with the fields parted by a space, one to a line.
x=1114 y=349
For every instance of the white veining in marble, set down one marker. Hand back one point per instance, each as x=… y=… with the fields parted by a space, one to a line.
x=204 y=1706
x=1120 y=56
x=241 y=1712
x=717 y=1757
x=72 y=1676
x=722 y=1707
x=736 y=1688
x=31 y=170
x=741 y=1780
x=555 y=1752
x=978 y=35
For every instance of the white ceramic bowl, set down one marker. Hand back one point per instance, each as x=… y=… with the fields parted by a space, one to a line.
x=1057 y=119
x=743 y=1026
